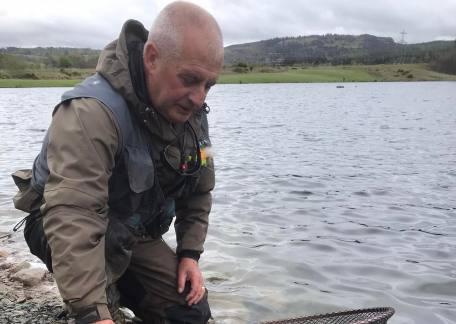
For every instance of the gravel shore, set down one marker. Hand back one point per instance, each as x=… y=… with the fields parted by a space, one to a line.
x=28 y=293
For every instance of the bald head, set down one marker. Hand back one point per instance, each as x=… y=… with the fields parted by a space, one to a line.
x=177 y=26
x=182 y=60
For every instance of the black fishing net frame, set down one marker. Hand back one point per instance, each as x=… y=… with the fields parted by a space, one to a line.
x=378 y=315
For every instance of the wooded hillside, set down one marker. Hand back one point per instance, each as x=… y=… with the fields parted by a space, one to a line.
x=329 y=49
x=336 y=50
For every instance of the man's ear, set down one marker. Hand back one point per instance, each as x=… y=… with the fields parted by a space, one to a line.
x=150 y=57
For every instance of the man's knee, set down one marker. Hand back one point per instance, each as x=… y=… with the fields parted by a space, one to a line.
x=199 y=313
x=151 y=312
x=165 y=306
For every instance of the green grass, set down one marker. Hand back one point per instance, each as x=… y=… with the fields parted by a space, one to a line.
x=24 y=83
x=407 y=72
x=314 y=74
x=350 y=73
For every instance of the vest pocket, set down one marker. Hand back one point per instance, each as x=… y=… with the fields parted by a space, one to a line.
x=140 y=169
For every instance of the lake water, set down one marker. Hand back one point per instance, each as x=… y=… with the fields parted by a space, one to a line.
x=327 y=198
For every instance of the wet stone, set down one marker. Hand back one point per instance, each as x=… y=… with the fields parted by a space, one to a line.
x=5 y=265
x=3 y=253
x=20 y=266
x=29 y=277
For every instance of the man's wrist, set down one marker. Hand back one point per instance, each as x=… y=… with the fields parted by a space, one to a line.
x=192 y=254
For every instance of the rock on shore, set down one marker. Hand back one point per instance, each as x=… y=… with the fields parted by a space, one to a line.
x=28 y=293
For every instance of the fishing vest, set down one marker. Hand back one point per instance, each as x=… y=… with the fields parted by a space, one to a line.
x=135 y=196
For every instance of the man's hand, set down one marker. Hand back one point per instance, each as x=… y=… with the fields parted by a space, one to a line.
x=108 y=321
x=189 y=271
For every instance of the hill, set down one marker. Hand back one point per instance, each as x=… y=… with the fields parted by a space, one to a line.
x=334 y=49
x=65 y=64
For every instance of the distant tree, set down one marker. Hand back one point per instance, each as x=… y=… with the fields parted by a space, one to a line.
x=91 y=62
x=65 y=62
x=241 y=65
x=76 y=60
x=290 y=60
x=11 y=62
x=445 y=62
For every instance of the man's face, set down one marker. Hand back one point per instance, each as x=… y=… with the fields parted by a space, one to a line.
x=178 y=86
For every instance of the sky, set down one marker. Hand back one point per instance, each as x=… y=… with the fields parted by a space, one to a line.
x=94 y=23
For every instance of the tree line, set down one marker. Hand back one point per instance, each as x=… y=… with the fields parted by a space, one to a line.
x=314 y=50
x=16 y=62
x=333 y=49
x=445 y=62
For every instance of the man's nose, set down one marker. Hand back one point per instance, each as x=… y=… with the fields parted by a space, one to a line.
x=197 y=96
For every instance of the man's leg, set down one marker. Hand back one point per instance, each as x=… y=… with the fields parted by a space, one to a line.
x=149 y=287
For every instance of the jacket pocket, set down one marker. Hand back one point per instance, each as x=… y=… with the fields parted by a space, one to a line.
x=140 y=168
x=27 y=198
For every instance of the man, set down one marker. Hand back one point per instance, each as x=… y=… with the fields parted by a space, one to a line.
x=124 y=153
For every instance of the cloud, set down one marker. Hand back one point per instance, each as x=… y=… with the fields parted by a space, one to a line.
x=81 y=23
x=94 y=23
x=423 y=20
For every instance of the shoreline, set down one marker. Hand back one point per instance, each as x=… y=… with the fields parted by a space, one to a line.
x=28 y=293
x=29 y=84
x=258 y=75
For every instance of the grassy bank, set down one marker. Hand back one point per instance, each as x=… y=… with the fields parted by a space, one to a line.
x=298 y=75
x=352 y=73
x=25 y=83
x=43 y=78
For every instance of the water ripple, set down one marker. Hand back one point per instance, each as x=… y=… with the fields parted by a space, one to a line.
x=325 y=199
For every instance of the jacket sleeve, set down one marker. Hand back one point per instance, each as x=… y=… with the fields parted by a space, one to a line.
x=192 y=215
x=83 y=140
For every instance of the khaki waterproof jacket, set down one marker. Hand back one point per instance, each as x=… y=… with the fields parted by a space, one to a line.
x=83 y=142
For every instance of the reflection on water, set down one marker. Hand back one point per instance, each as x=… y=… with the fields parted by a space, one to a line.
x=326 y=198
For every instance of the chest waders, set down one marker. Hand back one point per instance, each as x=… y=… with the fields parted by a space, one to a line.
x=137 y=204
